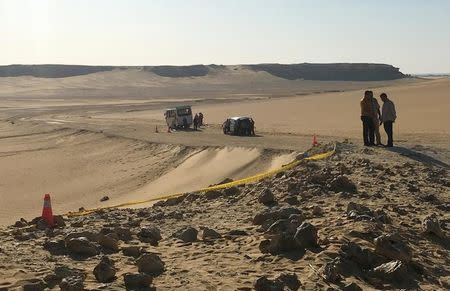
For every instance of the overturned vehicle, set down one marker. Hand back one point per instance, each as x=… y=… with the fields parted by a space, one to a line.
x=243 y=126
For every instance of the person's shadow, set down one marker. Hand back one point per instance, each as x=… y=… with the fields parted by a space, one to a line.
x=418 y=156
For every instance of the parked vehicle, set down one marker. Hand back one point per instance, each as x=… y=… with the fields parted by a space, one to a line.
x=179 y=117
x=243 y=126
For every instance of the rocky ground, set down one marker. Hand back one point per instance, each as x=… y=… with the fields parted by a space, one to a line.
x=366 y=218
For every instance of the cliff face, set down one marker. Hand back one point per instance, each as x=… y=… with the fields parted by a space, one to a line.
x=332 y=72
x=306 y=71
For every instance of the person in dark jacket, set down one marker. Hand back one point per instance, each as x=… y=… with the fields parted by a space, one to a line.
x=367 y=119
x=196 y=119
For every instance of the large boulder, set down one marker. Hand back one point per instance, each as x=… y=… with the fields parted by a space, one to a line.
x=306 y=235
x=391 y=246
x=150 y=234
x=82 y=246
x=105 y=271
x=431 y=225
x=150 y=263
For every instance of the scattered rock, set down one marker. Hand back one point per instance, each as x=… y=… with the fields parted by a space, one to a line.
x=213 y=194
x=59 y=221
x=187 y=234
x=306 y=235
x=56 y=247
x=135 y=281
x=343 y=183
x=392 y=247
x=150 y=263
x=352 y=287
x=150 y=235
x=21 y=223
x=284 y=282
x=331 y=271
x=104 y=198
x=73 y=283
x=271 y=215
x=393 y=271
x=109 y=242
x=237 y=232
x=209 y=233
x=34 y=285
x=82 y=246
x=266 y=197
x=232 y=191
x=317 y=210
x=105 y=272
x=430 y=225
x=123 y=233
x=132 y=251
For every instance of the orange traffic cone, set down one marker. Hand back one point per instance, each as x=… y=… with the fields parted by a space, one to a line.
x=315 y=143
x=156 y=129
x=47 y=213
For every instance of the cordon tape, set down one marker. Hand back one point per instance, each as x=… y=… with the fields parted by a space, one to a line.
x=244 y=181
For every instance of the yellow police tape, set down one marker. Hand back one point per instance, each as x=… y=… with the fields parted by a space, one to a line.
x=244 y=181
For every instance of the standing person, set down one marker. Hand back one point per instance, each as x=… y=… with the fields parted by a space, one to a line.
x=367 y=120
x=376 y=119
x=200 y=119
x=196 y=119
x=388 y=117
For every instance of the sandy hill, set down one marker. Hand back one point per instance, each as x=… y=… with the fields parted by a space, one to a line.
x=363 y=219
x=306 y=71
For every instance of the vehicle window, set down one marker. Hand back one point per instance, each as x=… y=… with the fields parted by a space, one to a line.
x=184 y=111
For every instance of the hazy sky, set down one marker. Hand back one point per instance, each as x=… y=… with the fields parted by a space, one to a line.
x=411 y=34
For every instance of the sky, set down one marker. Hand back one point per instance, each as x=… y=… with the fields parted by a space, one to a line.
x=413 y=35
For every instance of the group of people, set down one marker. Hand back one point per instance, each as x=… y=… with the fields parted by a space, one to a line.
x=372 y=118
x=198 y=120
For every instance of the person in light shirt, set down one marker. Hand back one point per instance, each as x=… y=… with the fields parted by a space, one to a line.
x=388 y=117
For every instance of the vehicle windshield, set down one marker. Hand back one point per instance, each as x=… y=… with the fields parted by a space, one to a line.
x=184 y=111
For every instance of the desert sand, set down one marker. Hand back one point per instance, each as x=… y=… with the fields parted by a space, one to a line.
x=85 y=137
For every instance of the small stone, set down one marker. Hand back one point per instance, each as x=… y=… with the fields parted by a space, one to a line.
x=59 y=221
x=317 y=210
x=391 y=271
x=306 y=235
x=137 y=280
x=392 y=247
x=430 y=225
x=266 y=197
x=82 y=246
x=109 y=242
x=123 y=233
x=209 y=233
x=104 y=198
x=55 y=247
x=105 y=272
x=352 y=287
x=132 y=251
x=21 y=223
x=73 y=283
x=287 y=282
x=233 y=191
x=150 y=263
x=343 y=183
x=331 y=273
x=150 y=235
x=34 y=285
x=187 y=235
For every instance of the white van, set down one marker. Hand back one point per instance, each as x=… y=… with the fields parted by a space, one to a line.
x=178 y=117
